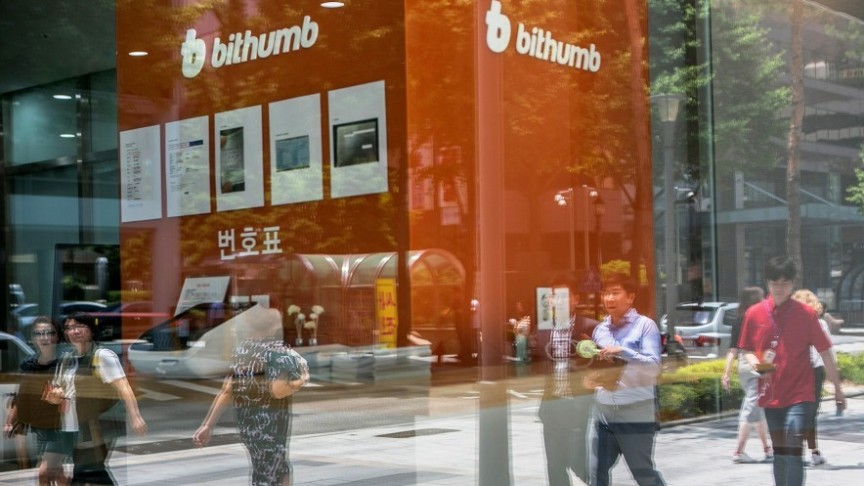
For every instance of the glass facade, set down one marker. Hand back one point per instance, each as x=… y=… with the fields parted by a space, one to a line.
x=409 y=184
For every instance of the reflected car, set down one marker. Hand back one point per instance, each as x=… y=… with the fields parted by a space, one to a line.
x=23 y=316
x=703 y=328
x=137 y=317
x=13 y=351
x=197 y=343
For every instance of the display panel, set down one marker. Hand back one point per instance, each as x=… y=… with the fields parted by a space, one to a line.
x=232 y=171
x=356 y=143
x=292 y=153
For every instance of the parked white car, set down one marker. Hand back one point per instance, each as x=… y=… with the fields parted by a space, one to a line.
x=704 y=328
x=197 y=343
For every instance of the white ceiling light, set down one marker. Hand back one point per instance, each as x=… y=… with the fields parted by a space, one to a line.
x=333 y=4
x=138 y=53
x=67 y=135
x=62 y=97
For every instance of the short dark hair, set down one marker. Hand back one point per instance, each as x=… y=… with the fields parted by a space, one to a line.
x=781 y=268
x=86 y=319
x=45 y=320
x=626 y=282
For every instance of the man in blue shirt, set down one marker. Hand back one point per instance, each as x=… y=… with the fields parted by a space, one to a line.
x=625 y=409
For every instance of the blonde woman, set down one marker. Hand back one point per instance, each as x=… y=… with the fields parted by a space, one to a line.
x=752 y=415
x=809 y=298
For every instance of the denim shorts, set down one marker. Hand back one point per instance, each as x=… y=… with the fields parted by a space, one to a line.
x=54 y=441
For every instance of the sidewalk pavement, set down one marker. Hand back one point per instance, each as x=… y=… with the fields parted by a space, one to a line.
x=443 y=450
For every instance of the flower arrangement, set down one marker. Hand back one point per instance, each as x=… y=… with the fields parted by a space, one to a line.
x=299 y=319
x=302 y=321
x=312 y=323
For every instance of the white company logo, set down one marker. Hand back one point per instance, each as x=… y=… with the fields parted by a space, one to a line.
x=243 y=47
x=537 y=43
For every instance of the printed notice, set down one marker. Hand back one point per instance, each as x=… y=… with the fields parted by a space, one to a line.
x=296 y=173
x=140 y=174
x=239 y=159
x=187 y=172
x=200 y=290
x=358 y=126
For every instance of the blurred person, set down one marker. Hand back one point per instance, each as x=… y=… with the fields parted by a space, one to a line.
x=88 y=381
x=565 y=409
x=776 y=337
x=751 y=414
x=625 y=412
x=459 y=309
x=29 y=410
x=809 y=298
x=265 y=373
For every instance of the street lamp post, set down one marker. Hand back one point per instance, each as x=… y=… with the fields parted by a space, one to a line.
x=565 y=198
x=668 y=106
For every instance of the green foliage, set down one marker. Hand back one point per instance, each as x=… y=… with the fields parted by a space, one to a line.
x=856 y=192
x=677 y=400
x=851 y=367
x=743 y=79
x=695 y=390
x=623 y=267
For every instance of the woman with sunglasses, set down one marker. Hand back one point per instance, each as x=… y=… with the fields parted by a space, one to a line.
x=30 y=410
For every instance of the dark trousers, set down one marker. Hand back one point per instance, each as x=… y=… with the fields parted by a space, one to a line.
x=788 y=426
x=91 y=454
x=565 y=425
x=819 y=373
x=629 y=431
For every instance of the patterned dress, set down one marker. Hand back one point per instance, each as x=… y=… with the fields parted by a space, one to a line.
x=265 y=421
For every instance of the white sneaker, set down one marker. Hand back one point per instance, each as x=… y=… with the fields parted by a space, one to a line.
x=817 y=459
x=742 y=458
x=769 y=454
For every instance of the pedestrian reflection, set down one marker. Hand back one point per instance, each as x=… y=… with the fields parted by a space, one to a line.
x=566 y=406
x=265 y=373
x=88 y=381
x=29 y=410
x=626 y=411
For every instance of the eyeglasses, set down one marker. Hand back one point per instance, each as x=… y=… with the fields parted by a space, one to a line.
x=44 y=333
x=75 y=327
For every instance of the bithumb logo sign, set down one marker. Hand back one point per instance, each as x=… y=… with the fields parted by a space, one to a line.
x=537 y=43
x=242 y=47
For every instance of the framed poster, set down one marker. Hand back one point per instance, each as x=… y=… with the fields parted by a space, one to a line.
x=358 y=155
x=296 y=172
x=239 y=159
x=553 y=307
x=140 y=174
x=187 y=167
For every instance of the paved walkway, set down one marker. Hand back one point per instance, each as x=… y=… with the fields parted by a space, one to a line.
x=443 y=450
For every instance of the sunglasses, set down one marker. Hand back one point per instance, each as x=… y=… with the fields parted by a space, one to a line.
x=44 y=334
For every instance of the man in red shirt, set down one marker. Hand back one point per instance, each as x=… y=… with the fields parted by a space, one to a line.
x=776 y=336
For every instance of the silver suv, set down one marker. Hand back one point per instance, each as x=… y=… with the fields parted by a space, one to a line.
x=704 y=328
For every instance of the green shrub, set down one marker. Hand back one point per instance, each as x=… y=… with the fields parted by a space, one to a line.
x=851 y=367
x=677 y=401
x=695 y=390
